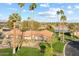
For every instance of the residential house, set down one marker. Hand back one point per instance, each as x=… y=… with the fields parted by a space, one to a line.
x=61 y=28
x=76 y=33
x=11 y=36
x=35 y=37
x=30 y=38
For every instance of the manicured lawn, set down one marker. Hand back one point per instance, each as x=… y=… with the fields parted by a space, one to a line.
x=21 y=52
x=6 y=52
x=28 y=52
x=58 y=46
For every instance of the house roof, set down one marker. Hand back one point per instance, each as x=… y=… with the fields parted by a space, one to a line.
x=29 y=33
x=16 y=31
x=43 y=33
x=46 y=33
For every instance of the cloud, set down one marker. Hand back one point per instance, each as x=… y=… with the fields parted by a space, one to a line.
x=77 y=6
x=43 y=13
x=44 y=5
x=54 y=9
x=70 y=12
x=69 y=7
x=51 y=13
x=1 y=15
x=9 y=3
x=13 y=9
x=23 y=10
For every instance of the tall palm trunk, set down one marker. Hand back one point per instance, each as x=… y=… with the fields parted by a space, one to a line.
x=31 y=23
x=20 y=40
x=51 y=47
x=14 y=40
x=21 y=5
x=31 y=29
x=63 y=32
x=59 y=26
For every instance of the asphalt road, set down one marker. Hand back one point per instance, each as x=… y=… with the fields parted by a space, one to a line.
x=72 y=48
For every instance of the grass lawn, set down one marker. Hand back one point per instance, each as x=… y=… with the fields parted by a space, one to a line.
x=58 y=45
x=6 y=52
x=28 y=52
x=21 y=52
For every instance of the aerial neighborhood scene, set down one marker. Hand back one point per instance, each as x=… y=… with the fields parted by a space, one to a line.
x=39 y=29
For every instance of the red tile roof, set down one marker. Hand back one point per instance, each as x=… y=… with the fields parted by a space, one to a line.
x=16 y=31
x=46 y=33
x=29 y=33
x=43 y=33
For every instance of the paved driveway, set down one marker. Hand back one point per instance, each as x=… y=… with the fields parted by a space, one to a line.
x=72 y=48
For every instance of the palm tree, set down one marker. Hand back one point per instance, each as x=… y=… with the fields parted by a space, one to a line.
x=58 y=14
x=14 y=41
x=14 y=18
x=21 y=5
x=61 y=12
x=63 y=19
x=32 y=8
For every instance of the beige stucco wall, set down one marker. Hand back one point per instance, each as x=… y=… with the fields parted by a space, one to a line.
x=76 y=34
x=31 y=44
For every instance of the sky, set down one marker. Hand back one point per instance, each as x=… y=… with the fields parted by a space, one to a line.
x=45 y=12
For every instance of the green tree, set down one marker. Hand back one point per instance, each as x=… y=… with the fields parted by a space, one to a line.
x=48 y=51
x=24 y=25
x=13 y=17
x=63 y=19
x=58 y=14
x=21 y=5
x=35 y=25
x=32 y=8
x=42 y=47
